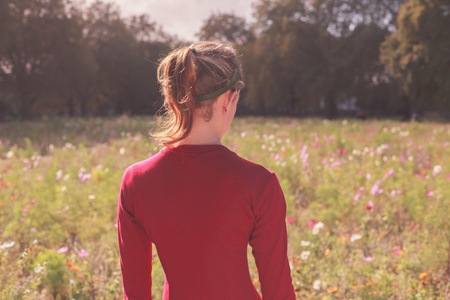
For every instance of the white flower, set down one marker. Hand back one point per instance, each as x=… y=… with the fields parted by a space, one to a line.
x=436 y=170
x=305 y=254
x=39 y=269
x=122 y=151
x=63 y=188
x=317 y=227
x=355 y=237
x=305 y=243
x=9 y=154
x=66 y=177
x=91 y=197
x=316 y=284
x=7 y=245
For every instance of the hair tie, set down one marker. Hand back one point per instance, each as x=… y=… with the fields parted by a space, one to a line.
x=193 y=51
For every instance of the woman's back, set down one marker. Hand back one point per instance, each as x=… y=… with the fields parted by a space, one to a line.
x=201 y=205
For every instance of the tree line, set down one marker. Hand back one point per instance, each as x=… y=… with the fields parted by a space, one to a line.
x=300 y=57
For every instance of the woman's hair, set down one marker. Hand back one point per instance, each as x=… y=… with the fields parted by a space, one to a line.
x=188 y=76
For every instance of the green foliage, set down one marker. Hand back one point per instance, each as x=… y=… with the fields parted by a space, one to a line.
x=418 y=54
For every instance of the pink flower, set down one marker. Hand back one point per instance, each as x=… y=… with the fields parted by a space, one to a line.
x=430 y=194
x=368 y=176
x=32 y=229
x=63 y=249
x=357 y=196
x=243 y=134
x=391 y=173
x=412 y=227
x=25 y=210
x=396 y=252
x=375 y=189
x=33 y=201
x=291 y=219
x=22 y=219
x=368 y=258
x=312 y=223
x=82 y=253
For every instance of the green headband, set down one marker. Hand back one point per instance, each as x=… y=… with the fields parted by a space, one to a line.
x=215 y=94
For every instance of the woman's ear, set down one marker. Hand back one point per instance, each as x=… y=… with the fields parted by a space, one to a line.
x=228 y=101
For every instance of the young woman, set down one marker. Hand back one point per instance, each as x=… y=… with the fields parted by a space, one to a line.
x=197 y=201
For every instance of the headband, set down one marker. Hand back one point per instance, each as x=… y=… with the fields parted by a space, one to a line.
x=217 y=93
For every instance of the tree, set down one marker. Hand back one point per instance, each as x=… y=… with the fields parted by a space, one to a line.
x=418 y=55
x=226 y=28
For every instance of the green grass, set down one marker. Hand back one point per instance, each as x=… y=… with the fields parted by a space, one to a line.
x=368 y=204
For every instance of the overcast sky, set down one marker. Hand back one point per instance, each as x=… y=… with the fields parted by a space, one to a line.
x=183 y=17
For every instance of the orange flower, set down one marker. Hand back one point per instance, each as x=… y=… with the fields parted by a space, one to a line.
x=424 y=275
x=2 y=203
x=327 y=252
x=97 y=279
x=80 y=276
x=69 y=263
x=332 y=290
x=75 y=268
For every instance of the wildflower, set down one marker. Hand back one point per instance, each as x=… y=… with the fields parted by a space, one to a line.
x=312 y=223
x=58 y=175
x=7 y=245
x=289 y=220
x=66 y=177
x=305 y=254
x=243 y=134
x=32 y=201
x=39 y=269
x=424 y=275
x=75 y=268
x=122 y=151
x=436 y=170
x=368 y=176
x=355 y=237
x=368 y=258
x=63 y=249
x=82 y=253
x=396 y=252
x=369 y=206
x=305 y=243
x=332 y=290
x=391 y=173
x=316 y=284
x=80 y=276
x=430 y=194
x=10 y=154
x=71 y=281
x=376 y=188
x=63 y=188
x=32 y=229
x=317 y=227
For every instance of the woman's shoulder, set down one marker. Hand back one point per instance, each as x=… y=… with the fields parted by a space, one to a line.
x=253 y=169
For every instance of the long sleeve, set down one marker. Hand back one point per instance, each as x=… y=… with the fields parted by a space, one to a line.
x=135 y=247
x=269 y=244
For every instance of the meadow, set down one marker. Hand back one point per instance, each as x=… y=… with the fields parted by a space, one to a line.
x=367 y=204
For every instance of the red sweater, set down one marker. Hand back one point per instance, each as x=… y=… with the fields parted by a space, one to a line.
x=201 y=205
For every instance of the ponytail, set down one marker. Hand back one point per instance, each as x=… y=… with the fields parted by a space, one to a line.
x=187 y=73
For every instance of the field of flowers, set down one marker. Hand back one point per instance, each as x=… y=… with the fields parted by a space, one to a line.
x=367 y=217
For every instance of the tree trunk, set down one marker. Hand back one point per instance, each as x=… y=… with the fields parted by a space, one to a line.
x=330 y=105
x=406 y=108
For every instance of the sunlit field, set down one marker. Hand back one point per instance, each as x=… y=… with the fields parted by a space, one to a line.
x=367 y=215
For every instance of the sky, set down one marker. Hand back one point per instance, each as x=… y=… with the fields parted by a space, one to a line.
x=183 y=17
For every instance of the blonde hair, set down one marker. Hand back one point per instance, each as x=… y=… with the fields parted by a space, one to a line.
x=185 y=73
